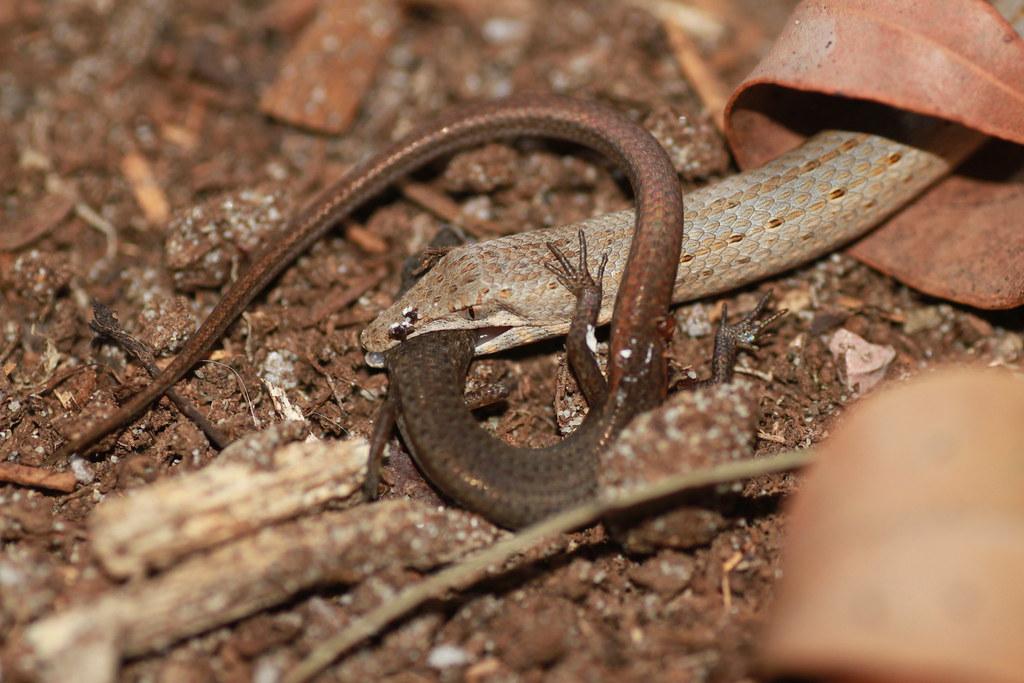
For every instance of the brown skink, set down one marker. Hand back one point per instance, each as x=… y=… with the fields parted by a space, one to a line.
x=637 y=352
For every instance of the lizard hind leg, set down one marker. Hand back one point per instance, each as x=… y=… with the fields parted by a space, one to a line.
x=730 y=339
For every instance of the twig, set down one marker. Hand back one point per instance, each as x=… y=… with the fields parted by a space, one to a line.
x=365 y=240
x=753 y=372
x=93 y=219
x=709 y=88
x=37 y=477
x=150 y=197
x=272 y=566
x=705 y=26
x=446 y=209
x=477 y=565
x=774 y=438
x=105 y=324
x=727 y=568
x=340 y=300
x=255 y=483
x=245 y=392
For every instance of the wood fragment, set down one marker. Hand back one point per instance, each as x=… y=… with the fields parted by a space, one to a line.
x=43 y=217
x=181 y=136
x=37 y=477
x=774 y=438
x=709 y=88
x=727 y=568
x=323 y=79
x=148 y=193
x=244 y=490
x=445 y=208
x=254 y=573
x=283 y=405
x=365 y=240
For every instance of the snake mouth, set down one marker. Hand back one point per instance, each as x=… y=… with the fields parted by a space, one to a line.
x=485 y=335
x=492 y=338
x=504 y=338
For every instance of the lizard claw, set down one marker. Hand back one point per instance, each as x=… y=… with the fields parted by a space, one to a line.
x=577 y=279
x=730 y=338
x=747 y=330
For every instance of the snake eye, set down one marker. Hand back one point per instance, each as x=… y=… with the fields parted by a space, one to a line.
x=477 y=312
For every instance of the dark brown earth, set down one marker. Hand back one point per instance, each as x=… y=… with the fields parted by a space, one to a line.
x=91 y=90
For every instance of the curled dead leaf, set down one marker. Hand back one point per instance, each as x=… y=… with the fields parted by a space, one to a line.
x=906 y=541
x=959 y=61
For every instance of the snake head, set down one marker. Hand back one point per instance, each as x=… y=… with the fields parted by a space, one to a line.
x=498 y=288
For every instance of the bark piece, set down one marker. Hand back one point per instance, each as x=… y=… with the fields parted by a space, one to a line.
x=244 y=490
x=324 y=77
x=86 y=642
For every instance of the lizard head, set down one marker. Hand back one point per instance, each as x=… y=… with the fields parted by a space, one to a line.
x=467 y=290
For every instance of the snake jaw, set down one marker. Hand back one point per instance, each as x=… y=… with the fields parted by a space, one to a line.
x=498 y=330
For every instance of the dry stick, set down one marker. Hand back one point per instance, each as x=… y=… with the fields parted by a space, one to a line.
x=442 y=206
x=711 y=91
x=37 y=477
x=339 y=300
x=94 y=220
x=269 y=567
x=105 y=325
x=475 y=566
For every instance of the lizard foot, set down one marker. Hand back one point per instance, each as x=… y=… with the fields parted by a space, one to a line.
x=577 y=279
x=581 y=344
x=741 y=335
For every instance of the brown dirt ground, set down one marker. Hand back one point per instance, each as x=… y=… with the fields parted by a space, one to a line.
x=85 y=85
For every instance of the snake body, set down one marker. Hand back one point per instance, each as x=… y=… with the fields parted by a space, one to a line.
x=808 y=202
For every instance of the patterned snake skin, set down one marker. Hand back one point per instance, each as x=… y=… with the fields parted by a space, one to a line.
x=830 y=190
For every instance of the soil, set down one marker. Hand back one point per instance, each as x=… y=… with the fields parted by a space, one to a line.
x=137 y=169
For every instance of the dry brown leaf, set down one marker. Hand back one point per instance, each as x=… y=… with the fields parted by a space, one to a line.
x=906 y=541
x=954 y=60
x=324 y=77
